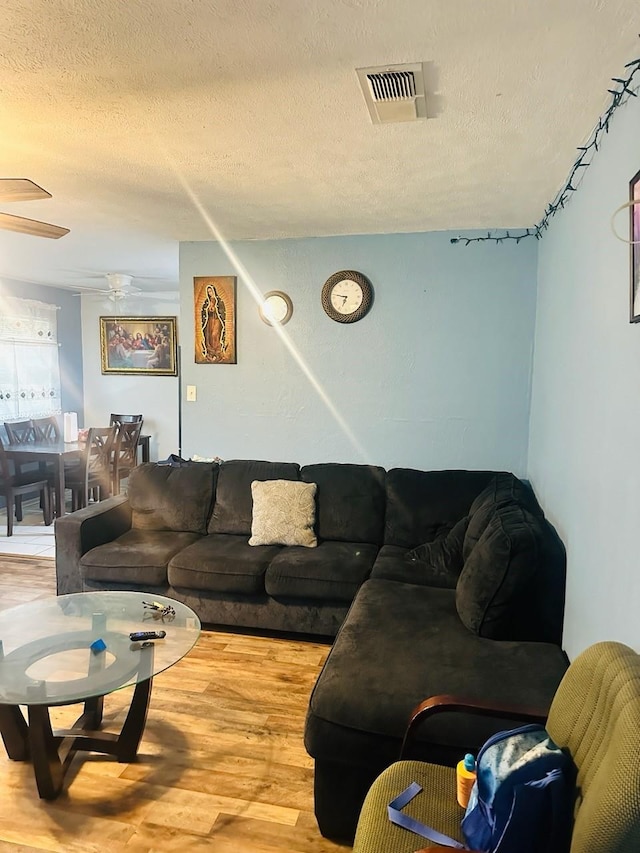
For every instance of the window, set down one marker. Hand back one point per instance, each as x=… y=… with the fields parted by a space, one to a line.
x=29 y=363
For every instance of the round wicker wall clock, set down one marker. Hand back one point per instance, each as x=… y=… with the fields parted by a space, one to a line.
x=347 y=296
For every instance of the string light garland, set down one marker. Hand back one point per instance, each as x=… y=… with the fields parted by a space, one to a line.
x=619 y=97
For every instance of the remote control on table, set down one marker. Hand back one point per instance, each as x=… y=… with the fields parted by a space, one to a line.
x=142 y=636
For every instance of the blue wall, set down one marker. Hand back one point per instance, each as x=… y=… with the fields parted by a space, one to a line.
x=69 y=336
x=585 y=412
x=437 y=375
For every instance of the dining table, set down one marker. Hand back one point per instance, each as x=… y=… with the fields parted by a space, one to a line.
x=56 y=452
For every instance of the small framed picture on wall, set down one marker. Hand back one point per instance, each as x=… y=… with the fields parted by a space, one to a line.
x=634 y=239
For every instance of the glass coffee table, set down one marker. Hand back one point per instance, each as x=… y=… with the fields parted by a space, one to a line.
x=76 y=648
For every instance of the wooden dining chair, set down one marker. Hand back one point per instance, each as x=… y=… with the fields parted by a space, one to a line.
x=21 y=432
x=94 y=470
x=125 y=419
x=13 y=486
x=125 y=457
x=47 y=429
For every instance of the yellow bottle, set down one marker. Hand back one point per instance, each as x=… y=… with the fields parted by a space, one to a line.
x=465 y=777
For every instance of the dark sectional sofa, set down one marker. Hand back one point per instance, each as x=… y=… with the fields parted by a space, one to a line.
x=433 y=581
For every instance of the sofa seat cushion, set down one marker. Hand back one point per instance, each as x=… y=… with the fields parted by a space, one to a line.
x=222 y=563
x=331 y=572
x=166 y=498
x=350 y=501
x=440 y=562
x=391 y=564
x=366 y=691
x=138 y=557
x=233 y=507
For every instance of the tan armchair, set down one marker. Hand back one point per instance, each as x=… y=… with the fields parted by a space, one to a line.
x=595 y=716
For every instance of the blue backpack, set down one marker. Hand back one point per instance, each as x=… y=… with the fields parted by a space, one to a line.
x=521 y=801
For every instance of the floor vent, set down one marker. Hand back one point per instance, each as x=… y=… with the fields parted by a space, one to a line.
x=394 y=93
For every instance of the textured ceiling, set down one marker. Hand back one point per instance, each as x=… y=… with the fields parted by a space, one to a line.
x=141 y=116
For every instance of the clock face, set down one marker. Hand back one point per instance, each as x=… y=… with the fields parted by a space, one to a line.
x=347 y=296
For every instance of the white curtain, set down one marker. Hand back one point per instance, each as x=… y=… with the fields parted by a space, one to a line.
x=29 y=362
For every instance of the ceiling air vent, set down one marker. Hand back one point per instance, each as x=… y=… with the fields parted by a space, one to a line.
x=394 y=93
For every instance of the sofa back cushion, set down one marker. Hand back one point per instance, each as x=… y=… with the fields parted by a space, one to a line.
x=350 y=501
x=233 y=507
x=422 y=505
x=502 y=490
x=166 y=498
x=493 y=590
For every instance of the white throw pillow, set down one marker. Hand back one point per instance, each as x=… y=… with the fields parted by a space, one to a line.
x=284 y=513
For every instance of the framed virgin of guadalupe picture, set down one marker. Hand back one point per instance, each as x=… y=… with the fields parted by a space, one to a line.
x=214 y=305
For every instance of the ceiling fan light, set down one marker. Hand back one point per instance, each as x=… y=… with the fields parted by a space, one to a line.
x=118 y=281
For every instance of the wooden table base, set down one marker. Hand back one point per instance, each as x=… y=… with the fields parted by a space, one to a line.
x=51 y=751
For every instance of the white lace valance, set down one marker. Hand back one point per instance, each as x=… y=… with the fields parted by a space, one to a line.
x=28 y=321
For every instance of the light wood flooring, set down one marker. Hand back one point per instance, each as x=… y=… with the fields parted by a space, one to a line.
x=222 y=766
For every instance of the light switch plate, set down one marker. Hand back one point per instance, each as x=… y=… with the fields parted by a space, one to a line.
x=191 y=393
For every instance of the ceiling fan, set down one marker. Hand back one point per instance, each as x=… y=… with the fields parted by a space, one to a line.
x=120 y=287
x=22 y=189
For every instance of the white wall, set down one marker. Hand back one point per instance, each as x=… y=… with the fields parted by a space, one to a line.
x=155 y=396
x=437 y=375
x=585 y=413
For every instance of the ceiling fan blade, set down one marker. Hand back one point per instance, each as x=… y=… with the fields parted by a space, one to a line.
x=20 y=189
x=90 y=290
x=31 y=226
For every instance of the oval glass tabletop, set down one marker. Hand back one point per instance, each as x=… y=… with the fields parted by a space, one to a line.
x=46 y=654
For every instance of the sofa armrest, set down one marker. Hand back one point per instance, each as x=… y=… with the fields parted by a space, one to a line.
x=79 y=532
x=453 y=704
